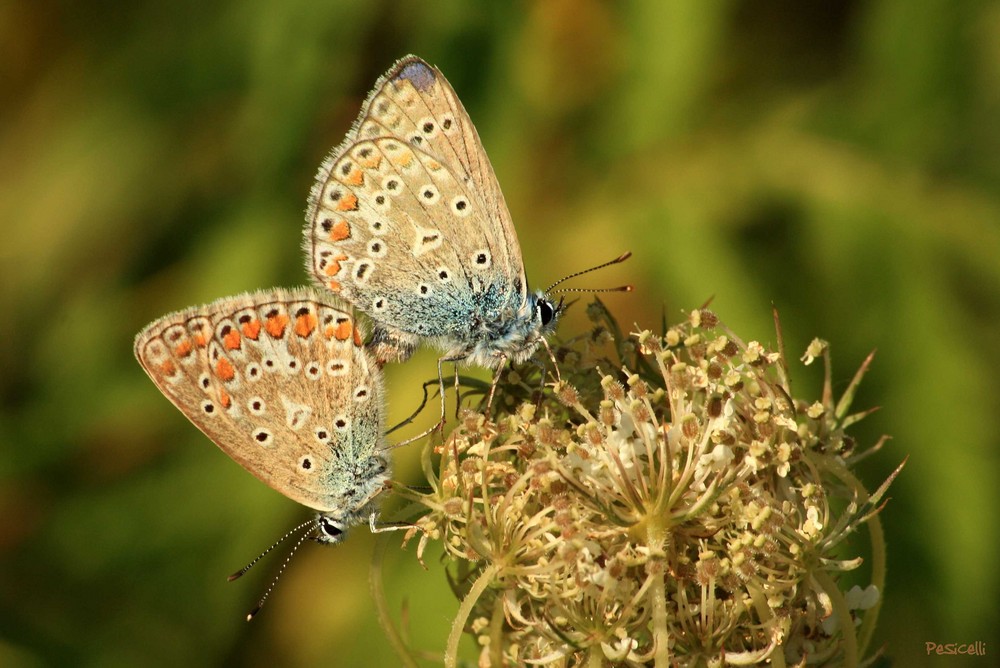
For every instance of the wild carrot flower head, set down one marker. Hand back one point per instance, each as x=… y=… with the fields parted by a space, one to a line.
x=668 y=501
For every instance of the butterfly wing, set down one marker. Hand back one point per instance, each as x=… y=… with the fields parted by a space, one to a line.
x=406 y=219
x=280 y=382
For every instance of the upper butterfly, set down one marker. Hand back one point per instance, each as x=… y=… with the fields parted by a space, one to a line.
x=406 y=220
x=279 y=380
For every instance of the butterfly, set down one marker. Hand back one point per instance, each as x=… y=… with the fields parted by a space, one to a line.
x=280 y=381
x=407 y=222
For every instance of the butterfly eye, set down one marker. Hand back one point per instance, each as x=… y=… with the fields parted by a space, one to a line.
x=546 y=311
x=330 y=529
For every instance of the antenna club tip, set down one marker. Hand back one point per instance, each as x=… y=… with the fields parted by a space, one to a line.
x=234 y=576
x=253 y=613
x=628 y=288
x=624 y=256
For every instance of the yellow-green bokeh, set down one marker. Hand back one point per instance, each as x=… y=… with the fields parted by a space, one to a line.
x=838 y=160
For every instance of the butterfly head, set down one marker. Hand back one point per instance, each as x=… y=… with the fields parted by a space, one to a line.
x=540 y=314
x=358 y=500
x=545 y=312
x=329 y=530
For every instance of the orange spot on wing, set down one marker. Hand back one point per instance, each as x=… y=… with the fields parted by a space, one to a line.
x=403 y=158
x=355 y=178
x=275 y=325
x=224 y=370
x=333 y=268
x=341 y=229
x=371 y=162
x=357 y=337
x=251 y=329
x=168 y=368
x=224 y=398
x=305 y=324
x=334 y=286
x=348 y=203
x=183 y=348
x=201 y=339
x=231 y=340
x=329 y=331
x=343 y=331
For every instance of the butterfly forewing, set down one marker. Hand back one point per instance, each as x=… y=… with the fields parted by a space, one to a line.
x=280 y=382
x=406 y=219
x=415 y=103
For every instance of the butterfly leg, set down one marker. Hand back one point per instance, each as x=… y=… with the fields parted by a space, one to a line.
x=413 y=416
x=441 y=361
x=385 y=527
x=458 y=393
x=555 y=365
x=426 y=432
x=496 y=381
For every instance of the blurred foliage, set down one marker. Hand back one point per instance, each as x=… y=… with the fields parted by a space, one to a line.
x=837 y=159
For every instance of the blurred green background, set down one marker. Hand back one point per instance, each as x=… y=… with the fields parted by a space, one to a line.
x=840 y=160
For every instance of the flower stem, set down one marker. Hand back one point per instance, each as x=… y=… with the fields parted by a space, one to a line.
x=464 y=610
x=658 y=599
x=843 y=613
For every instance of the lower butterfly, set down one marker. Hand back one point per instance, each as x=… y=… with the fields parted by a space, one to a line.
x=280 y=381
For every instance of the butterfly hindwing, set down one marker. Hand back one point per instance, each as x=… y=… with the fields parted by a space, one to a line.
x=279 y=381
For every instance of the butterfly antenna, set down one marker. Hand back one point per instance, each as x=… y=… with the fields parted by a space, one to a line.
x=263 y=554
x=281 y=569
x=620 y=258
x=620 y=288
x=311 y=524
